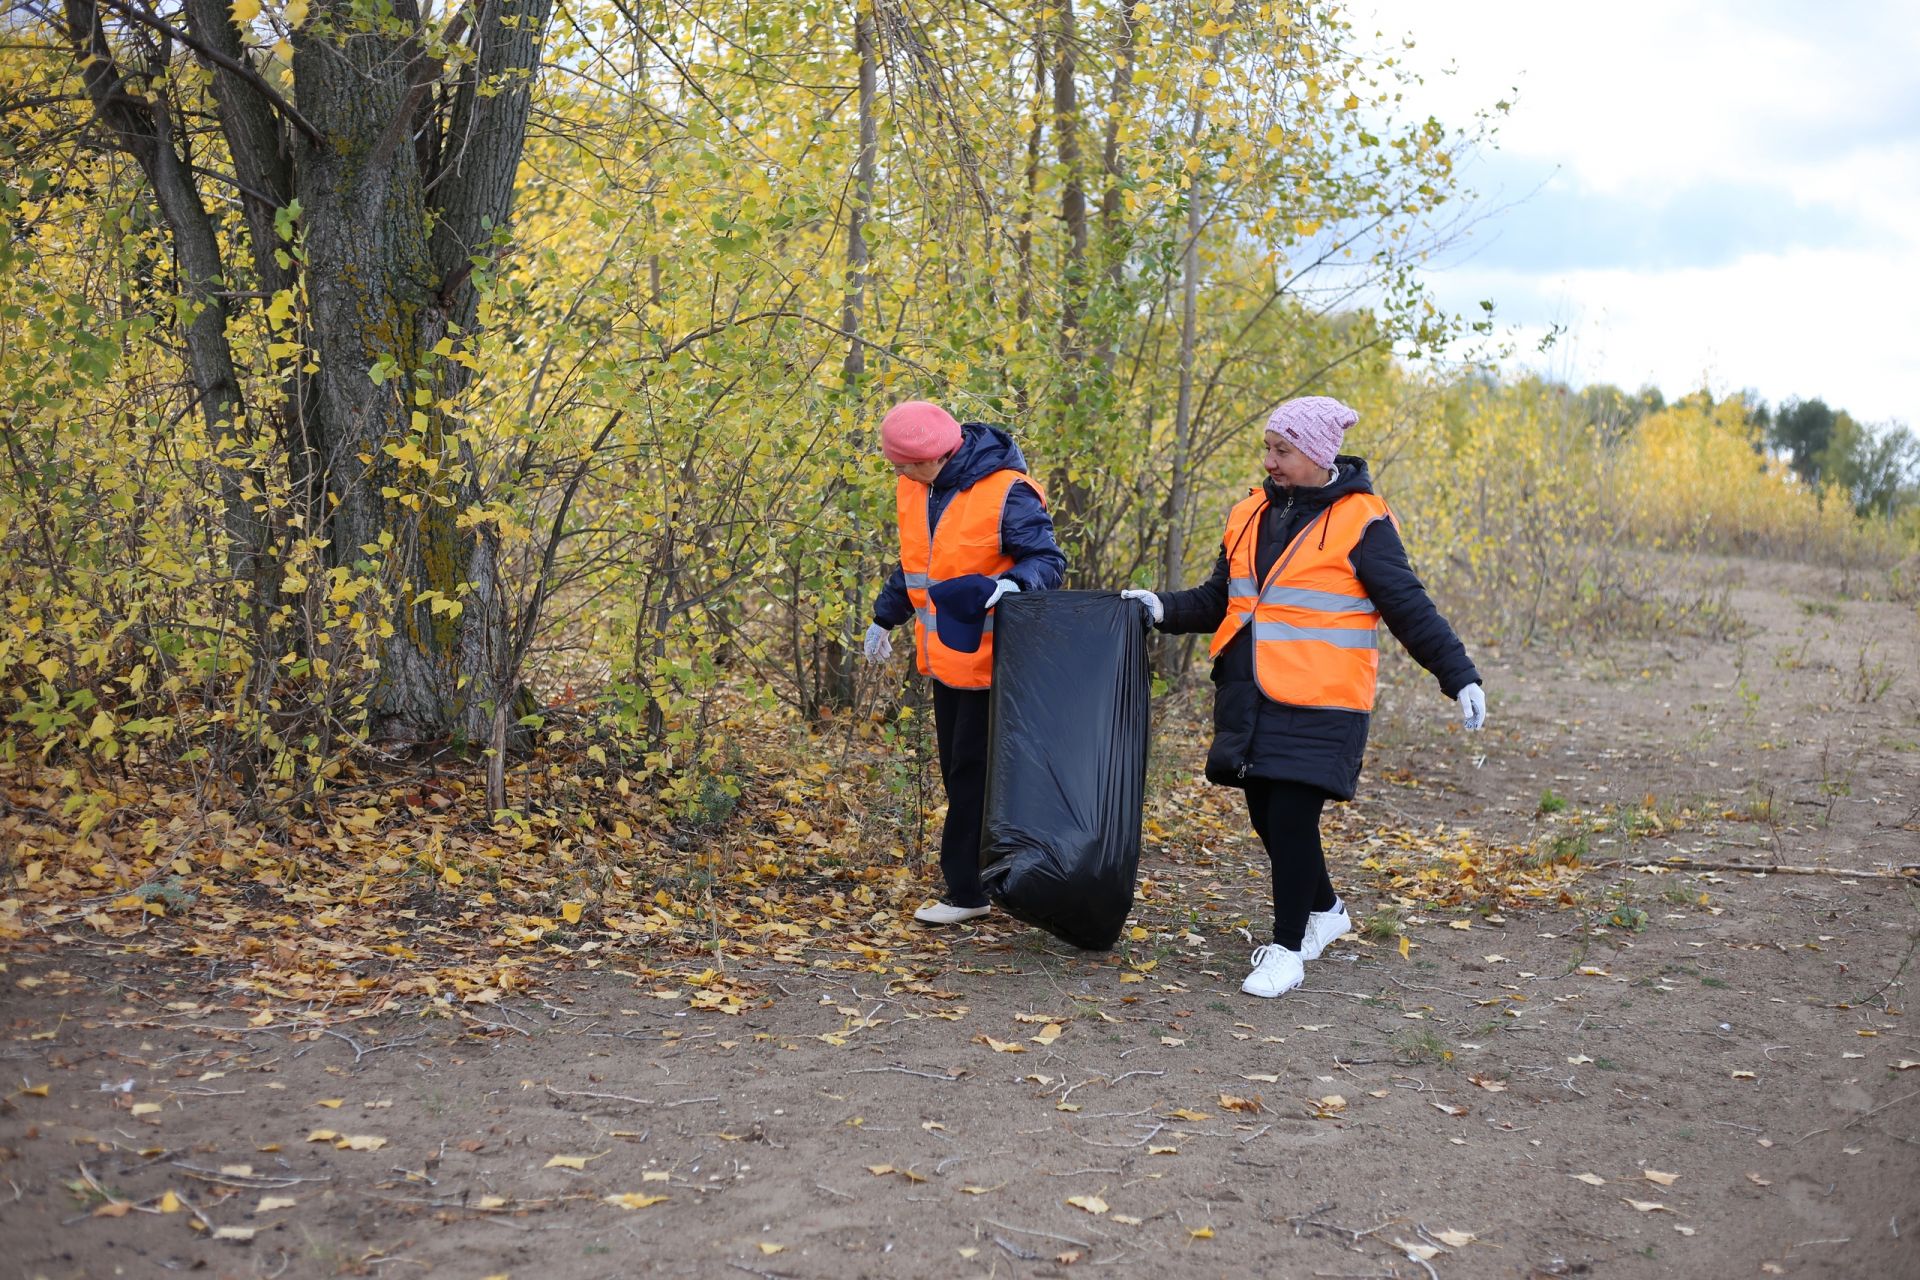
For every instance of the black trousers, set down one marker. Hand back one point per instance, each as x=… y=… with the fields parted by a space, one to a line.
x=960 y=727
x=1287 y=817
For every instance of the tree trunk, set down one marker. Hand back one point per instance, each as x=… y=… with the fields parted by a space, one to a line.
x=1173 y=568
x=840 y=690
x=1113 y=252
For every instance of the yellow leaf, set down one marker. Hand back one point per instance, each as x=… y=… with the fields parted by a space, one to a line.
x=769 y=1248
x=1646 y=1206
x=1591 y=1179
x=1000 y=1046
x=169 y=1203
x=1092 y=1204
x=570 y=912
x=241 y=1234
x=1664 y=1179
x=333 y=1103
x=145 y=1108
x=245 y=11
x=360 y=1142
x=1184 y=1113
x=322 y=1135
x=570 y=1162
x=1460 y=924
x=633 y=1200
x=1048 y=1034
x=656 y=1175
x=1455 y=1239
x=1201 y=1233
x=1137 y=934
x=1163 y=1151
x=1406 y=947
x=880 y=1170
x=269 y=1203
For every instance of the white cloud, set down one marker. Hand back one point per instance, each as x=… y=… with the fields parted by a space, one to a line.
x=1740 y=181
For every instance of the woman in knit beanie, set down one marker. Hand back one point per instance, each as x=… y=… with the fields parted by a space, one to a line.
x=973 y=527
x=1310 y=563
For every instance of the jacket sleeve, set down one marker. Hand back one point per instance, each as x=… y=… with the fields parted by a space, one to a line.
x=1026 y=534
x=1380 y=562
x=893 y=606
x=1197 y=609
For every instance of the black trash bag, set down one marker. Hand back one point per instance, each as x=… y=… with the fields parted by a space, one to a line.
x=1066 y=762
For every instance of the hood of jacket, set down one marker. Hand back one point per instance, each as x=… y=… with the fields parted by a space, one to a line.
x=983 y=450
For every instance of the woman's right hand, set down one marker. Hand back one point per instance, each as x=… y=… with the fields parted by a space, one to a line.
x=1155 y=611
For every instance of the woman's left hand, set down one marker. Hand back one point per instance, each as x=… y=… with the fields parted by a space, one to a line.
x=1473 y=706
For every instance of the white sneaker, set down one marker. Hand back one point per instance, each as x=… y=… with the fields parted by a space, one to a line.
x=1276 y=971
x=1323 y=928
x=947 y=913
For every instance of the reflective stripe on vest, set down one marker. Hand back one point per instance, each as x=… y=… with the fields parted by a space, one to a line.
x=966 y=541
x=1316 y=640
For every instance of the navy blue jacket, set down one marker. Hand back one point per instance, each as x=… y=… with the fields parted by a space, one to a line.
x=1026 y=530
x=1253 y=736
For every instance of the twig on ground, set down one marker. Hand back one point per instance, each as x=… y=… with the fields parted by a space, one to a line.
x=600 y=1097
x=1693 y=864
x=1029 y=1231
x=1025 y=1255
x=896 y=1069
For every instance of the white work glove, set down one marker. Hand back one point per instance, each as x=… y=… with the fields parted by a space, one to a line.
x=879 y=645
x=1007 y=587
x=1155 y=610
x=1473 y=706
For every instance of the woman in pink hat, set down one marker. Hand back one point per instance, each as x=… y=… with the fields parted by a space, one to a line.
x=1310 y=564
x=973 y=527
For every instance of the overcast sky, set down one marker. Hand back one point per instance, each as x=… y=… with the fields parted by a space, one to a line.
x=1703 y=192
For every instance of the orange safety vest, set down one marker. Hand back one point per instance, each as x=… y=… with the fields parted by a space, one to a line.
x=966 y=541
x=1315 y=634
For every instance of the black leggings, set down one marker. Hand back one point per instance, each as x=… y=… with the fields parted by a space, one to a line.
x=960 y=730
x=1287 y=817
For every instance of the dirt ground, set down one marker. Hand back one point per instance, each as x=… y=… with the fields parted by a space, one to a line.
x=1656 y=1072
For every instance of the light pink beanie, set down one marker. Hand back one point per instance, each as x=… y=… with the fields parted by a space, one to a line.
x=1314 y=425
x=916 y=431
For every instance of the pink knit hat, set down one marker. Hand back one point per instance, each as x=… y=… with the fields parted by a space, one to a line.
x=1314 y=425
x=916 y=431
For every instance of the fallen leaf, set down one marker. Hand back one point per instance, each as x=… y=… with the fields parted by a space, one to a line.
x=632 y=1200
x=1685 y=1231
x=1646 y=1206
x=1406 y=947
x=1068 y=1258
x=145 y=1108
x=1460 y=924
x=1249 y=1105
x=1201 y=1233
x=117 y=1209
x=1092 y=1204
x=269 y=1203
x=1905 y=1064
x=1759 y=1181
x=880 y=1170
x=1593 y=971
x=1163 y=1151
x=1579 y=1059
x=1452 y=1111
x=1036 y=1019
x=1418 y=1252
x=1048 y=1034
x=1125 y=1220
x=1455 y=1239
x=322 y=1135
x=360 y=1142
x=969 y=1253
x=1744 y=1075
x=1664 y=1179
x=237 y=1170
x=1172 y=1042
x=333 y=1103
x=1332 y=1104
x=1263 y=1079
x=979 y=1191
x=1184 y=1113
x=571 y=1162
x=769 y=1248
x=570 y=912
x=169 y=1203
x=1489 y=1084
x=1591 y=1179
x=238 y=1234
x=999 y=1046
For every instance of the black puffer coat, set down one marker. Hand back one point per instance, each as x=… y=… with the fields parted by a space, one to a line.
x=1255 y=737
